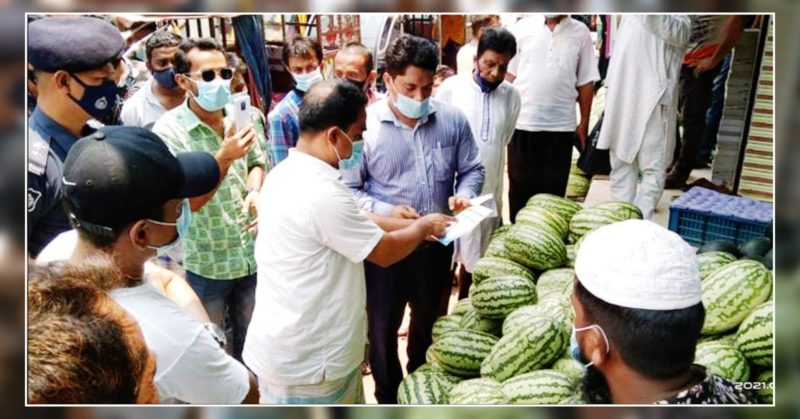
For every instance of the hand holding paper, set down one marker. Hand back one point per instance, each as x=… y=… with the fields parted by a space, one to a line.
x=467 y=220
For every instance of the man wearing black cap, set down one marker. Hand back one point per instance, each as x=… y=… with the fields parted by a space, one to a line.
x=127 y=196
x=74 y=61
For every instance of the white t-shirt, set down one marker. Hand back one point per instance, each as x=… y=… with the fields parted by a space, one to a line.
x=190 y=365
x=549 y=66
x=143 y=108
x=465 y=59
x=309 y=320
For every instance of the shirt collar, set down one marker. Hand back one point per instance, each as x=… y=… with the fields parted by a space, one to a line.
x=53 y=129
x=315 y=163
x=559 y=26
x=385 y=113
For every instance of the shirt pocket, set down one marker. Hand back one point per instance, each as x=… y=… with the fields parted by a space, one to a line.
x=444 y=162
x=567 y=56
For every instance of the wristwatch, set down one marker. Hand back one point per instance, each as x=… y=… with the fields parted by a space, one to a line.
x=216 y=332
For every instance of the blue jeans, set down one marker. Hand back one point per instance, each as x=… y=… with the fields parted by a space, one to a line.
x=714 y=113
x=234 y=297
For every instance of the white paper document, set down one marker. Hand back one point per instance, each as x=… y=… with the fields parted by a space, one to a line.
x=467 y=220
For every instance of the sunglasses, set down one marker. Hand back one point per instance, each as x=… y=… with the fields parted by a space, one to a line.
x=209 y=75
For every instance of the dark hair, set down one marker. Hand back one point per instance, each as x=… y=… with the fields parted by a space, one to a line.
x=235 y=62
x=104 y=241
x=79 y=351
x=301 y=47
x=498 y=40
x=411 y=50
x=480 y=21
x=181 y=61
x=160 y=39
x=330 y=103
x=360 y=49
x=659 y=344
x=444 y=71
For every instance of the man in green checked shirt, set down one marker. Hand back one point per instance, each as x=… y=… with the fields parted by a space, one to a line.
x=218 y=247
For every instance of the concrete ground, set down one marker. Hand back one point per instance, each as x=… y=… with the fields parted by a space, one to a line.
x=599 y=191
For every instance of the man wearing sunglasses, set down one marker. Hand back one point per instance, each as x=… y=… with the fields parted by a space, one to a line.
x=74 y=61
x=218 y=245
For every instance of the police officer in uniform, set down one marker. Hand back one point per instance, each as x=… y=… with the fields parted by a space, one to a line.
x=74 y=59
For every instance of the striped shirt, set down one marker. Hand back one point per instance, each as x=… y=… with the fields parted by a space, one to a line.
x=284 y=127
x=421 y=166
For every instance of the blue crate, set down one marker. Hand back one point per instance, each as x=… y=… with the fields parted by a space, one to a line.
x=702 y=215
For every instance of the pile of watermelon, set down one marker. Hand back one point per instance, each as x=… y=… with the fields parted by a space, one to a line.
x=578 y=182
x=508 y=343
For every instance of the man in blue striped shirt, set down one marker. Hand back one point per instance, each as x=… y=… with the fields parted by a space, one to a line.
x=419 y=158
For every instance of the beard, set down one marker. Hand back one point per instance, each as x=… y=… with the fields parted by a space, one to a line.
x=594 y=387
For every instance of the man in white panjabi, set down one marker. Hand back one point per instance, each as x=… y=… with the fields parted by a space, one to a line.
x=641 y=105
x=491 y=106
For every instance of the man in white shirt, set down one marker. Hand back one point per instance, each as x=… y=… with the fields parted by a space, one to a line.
x=491 y=106
x=555 y=67
x=307 y=334
x=161 y=92
x=126 y=195
x=465 y=58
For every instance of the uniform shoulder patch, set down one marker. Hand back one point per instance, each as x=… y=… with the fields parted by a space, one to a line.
x=33 y=199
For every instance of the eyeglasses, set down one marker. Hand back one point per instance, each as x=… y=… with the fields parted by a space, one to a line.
x=209 y=75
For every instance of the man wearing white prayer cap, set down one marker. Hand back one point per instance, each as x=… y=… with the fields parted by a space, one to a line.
x=638 y=316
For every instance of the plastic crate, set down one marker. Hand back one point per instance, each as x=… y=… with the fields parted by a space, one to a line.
x=701 y=215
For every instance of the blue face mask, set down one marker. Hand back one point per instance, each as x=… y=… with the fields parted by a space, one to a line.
x=97 y=101
x=212 y=95
x=303 y=82
x=574 y=348
x=355 y=157
x=484 y=84
x=166 y=78
x=409 y=107
x=181 y=225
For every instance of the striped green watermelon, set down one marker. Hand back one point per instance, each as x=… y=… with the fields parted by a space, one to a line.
x=575 y=399
x=545 y=219
x=531 y=347
x=625 y=210
x=523 y=316
x=711 y=261
x=589 y=219
x=572 y=368
x=577 y=186
x=461 y=306
x=563 y=206
x=754 y=337
x=539 y=387
x=724 y=360
x=535 y=248
x=497 y=247
x=487 y=267
x=477 y=391
x=764 y=393
x=559 y=281
x=473 y=321
x=423 y=388
x=574 y=169
x=460 y=352
x=731 y=292
x=728 y=337
x=443 y=324
x=497 y=296
x=502 y=230
x=430 y=357
x=570 y=256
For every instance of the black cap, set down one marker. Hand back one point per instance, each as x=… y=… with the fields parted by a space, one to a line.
x=120 y=174
x=73 y=44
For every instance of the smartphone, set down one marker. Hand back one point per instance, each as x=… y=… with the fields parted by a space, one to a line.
x=241 y=111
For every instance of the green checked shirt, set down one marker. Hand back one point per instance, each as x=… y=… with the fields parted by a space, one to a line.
x=217 y=245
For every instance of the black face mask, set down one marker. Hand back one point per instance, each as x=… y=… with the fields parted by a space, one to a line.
x=359 y=84
x=97 y=101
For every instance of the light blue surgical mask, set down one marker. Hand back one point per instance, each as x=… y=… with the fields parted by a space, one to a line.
x=303 y=82
x=181 y=225
x=574 y=348
x=212 y=95
x=355 y=157
x=410 y=107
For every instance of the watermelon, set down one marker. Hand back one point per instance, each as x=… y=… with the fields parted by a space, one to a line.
x=589 y=219
x=768 y=259
x=625 y=210
x=570 y=256
x=577 y=186
x=535 y=248
x=538 y=387
x=731 y=292
x=575 y=399
x=443 y=324
x=572 y=368
x=531 y=347
x=764 y=393
x=477 y=391
x=497 y=247
x=720 y=246
x=430 y=357
x=723 y=359
x=711 y=261
x=473 y=321
x=460 y=352
x=728 y=337
x=501 y=231
x=523 y=316
x=487 y=267
x=755 y=248
x=461 y=306
x=497 y=296
x=575 y=169
x=563 y=206
x=545 y=219
x=559 y=281
x=754 y=337
x=424 y=387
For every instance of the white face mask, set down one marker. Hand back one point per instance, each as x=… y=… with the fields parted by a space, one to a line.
x=305 y=81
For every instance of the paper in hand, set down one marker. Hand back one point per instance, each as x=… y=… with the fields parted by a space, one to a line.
x=467 y=220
